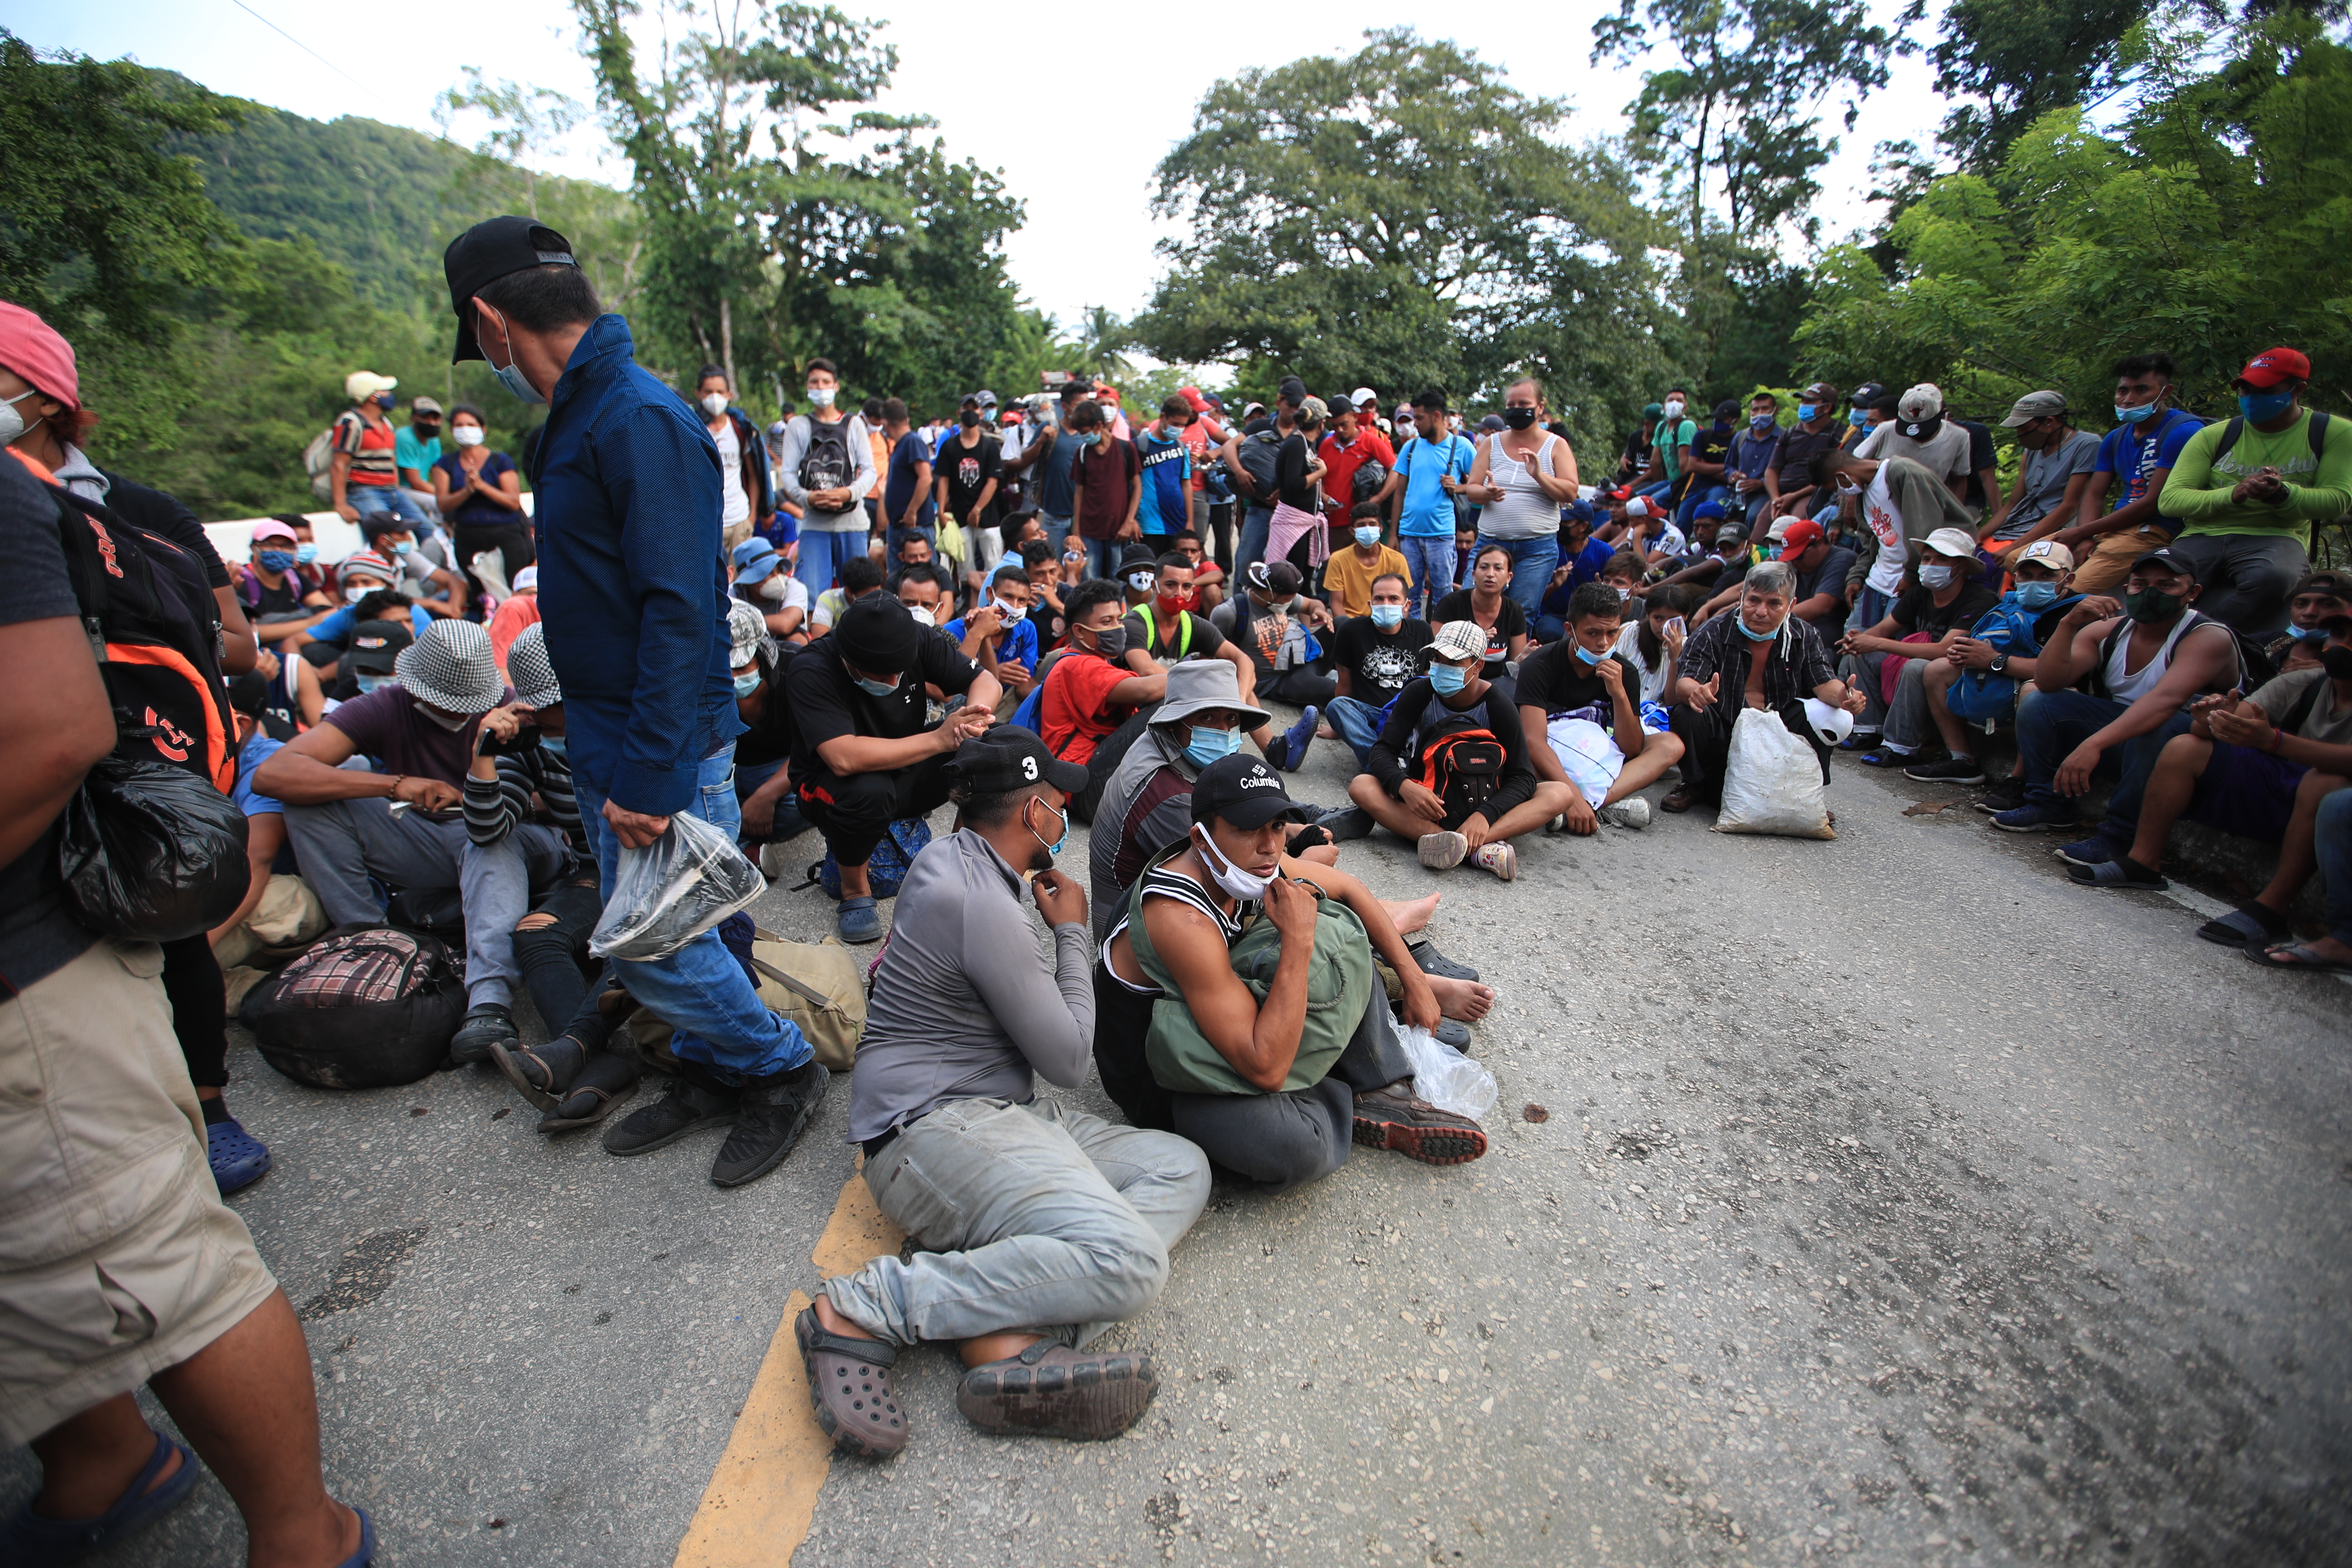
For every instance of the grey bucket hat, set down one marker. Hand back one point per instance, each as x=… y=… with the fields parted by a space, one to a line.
x=451 y=667
x=1200 y=684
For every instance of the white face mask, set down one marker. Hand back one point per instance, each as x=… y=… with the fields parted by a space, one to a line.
x=821 y=396
x=777 y=586
x=1237 y=882
x=467 y=434
x=353 y=593
x=1674 y=410
x=12 y=421
x=714 y=404
x=923 y=618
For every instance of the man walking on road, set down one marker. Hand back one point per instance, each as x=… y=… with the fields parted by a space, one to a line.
x=634 y=598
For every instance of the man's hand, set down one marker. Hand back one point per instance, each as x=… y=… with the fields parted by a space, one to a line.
x=1417 y=1003
x=350 y=514
x=1582 y=820
x=2097 y=607
x=1291 y=908
x=429 y=794
x=1711 y=688
x=1477 y=829
x=264 y=664
x=1421 y=800
x=961 y=726
x=2074 y=774
x=1060 y=899
x=758 y=817
x=1129 y=532
x=1854 y=701
x=1613 y=677
x=1559 y=573
x=2239 y=729
x=503 y=722
x=634 y=828
x=988 y=620
x=1969 y=653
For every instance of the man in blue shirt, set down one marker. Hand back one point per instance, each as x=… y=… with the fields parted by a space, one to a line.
x=2135 y=459
x=1167 y=473
x=634 y=599
x=1430 y=468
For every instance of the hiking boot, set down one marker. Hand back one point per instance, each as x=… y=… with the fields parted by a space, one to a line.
x=2006 y=795
x=1958 y=769
x=2035 y=817
x=1499 y=857
x=683 y=1107
x=1443 y=851
x=1052 y=1391
x=1632 y=812
x=768 y=1123
x=486 y=1025
x=1388 y=1119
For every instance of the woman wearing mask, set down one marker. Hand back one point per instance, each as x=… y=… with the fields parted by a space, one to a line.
x=1522 y=476
x=745 y=501
x=479 y=492
x=1298 y=506
x=1651 y=641
x=1494 y=611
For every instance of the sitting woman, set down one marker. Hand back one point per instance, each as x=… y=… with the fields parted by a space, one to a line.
x=1487 y=604
x=1651 y=640
x=1278 y=1119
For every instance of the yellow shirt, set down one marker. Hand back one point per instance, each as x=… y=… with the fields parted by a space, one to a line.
x=1349 y=581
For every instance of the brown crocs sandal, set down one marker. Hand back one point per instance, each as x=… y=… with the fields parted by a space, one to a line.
x=849 y=1384
x=1416 y=1129
x=1052 y=1391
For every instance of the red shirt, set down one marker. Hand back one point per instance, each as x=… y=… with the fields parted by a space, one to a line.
x=1199 y=436
x=1077 y=711
x=1340 y=464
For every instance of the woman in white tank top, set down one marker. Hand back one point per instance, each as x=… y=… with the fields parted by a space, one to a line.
x=1523 y=475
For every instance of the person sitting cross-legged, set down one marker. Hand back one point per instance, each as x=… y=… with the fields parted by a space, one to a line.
x=1166 y=973
x=1451 y=771
x=1992 y=665
x=1036 y=1225
x=1380 y=654
x=1579 y=706
x=2257 y=767
x=1919 y=630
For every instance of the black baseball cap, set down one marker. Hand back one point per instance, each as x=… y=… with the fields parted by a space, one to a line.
x=2170 y=560
x=1008 y=758
x=1242 y=790
x=1292 y=391
x=250 y=694
x=375 y=644
x=491 y=251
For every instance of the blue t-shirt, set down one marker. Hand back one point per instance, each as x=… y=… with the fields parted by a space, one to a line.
x=1019 y=646
x=1428 y=507
x=337 y=628
x=1057 y=497
x=256 y=751
x=1167 y=475
x=2130 y=451
x=911 y=450
x=474 y=511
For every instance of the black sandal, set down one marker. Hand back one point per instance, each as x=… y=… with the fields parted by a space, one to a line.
x=543 y=1073
x=607 y=1083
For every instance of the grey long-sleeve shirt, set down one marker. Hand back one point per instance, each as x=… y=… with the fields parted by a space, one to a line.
x=964 y=1006
x=861 y=479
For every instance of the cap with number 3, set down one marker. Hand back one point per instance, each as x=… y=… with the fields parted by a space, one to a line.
x=1008 y=758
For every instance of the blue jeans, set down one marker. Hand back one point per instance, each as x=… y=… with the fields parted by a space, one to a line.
x=701 y=991
x=1358 y=724
x=1430 y=556
x=2332 y=840
x=372 y=500
x=823 y=555
x=789 y=823
x=1532 y=561
x=1257 y=528
x=1103 y=556
x=897 y=536
x=1657 y=492
x=2052 y=724
x=1694 y=497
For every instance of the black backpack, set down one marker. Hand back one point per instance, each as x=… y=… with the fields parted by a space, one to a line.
x=1462 y=763
x=365 y=1007
x=826 y=465
x=1258 y=455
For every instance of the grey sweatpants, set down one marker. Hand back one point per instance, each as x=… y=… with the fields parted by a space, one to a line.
x=1029 y=1217
x=342 y=843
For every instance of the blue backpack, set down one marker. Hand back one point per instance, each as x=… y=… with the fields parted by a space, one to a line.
x=1979 y=696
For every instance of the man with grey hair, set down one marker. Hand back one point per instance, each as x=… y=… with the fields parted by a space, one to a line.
x=1759 y=656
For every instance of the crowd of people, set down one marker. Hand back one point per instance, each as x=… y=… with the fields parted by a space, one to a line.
x=1051 y=612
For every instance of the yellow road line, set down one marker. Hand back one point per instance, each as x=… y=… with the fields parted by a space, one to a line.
x=756 y=1509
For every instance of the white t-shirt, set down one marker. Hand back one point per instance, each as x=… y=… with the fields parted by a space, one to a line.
x=1945 y=454
x=1653 y=681
x=796 y=597
x=1886 y=523
x=735 y=506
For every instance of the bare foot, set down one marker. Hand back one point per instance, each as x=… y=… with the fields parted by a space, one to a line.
x=1412 y=914
x=1322 y=853
x=985 y=1348
x=1467 y=1000
x=1324 y=732
x=833 y=1322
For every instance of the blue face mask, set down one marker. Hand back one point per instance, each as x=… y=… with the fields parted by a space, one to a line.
x=1751 y=635
x=403 y=547
x=1387 y=617
x=2261 y=407
x=552 y=743
x=2141 y=414
x=875 y=688
x=2307 y=633
x=306 y=553
x=370 y=682
x=510 y=375
x=1805 y=411
x=1207 y=745
x=747 y=684
x=1091 y=439
x=2038 y=595
x=1759 y=422
x=1590 y=658
x=1055 y=847
x=1448 y=679
x=1368 y=536
x=277 y=560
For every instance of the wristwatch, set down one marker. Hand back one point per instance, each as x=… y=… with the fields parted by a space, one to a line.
x=2000 y=662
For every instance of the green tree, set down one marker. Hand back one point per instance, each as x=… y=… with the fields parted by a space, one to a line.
x=525 y=121
x=2006 y=63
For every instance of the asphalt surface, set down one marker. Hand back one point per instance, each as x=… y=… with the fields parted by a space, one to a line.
x=1889 y=1198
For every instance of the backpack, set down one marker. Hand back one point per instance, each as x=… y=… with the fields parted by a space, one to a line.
x=1258 y=455
x=319 y=459
x=365 y=1007
x=1152 y=632
x=2008 y=627
x=2254 y=667
x=1462 y=763
x=826 y=465
x=1371 y=475
x=2315 y=431
x=819 y=985
x=885 y=870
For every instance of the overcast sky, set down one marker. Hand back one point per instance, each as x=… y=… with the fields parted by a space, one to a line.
x=1074 y=115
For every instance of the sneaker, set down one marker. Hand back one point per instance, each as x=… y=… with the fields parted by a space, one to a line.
x=1390 y=1118
x=486 y=1025
x=772 y=862
x=858 y=920
x=1443 y=851
x=2096 y=850
x=238 y=1159
x=1346 y=822
x=1558 y=824
x=1957 y=769
x=2006 y=795
x=1296 y=739
x=1884 y=756
x=1861 y=741
x=1632 y=812
x=683 y=1107
x=2122 y=874
x=769 y=1120
x=1501 y=858
x=2035 y=817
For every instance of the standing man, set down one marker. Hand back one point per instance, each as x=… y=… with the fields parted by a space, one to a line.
x=1430 y=469
x=634 y=599
x=751 y=504
x=1048 y=458
x=2135 y=459
x=1354 y=440
x=1166 y=455
x=825 y=467
x=414 y=451
x=907 y=495
x=364 y=475
x=1106 y=486
x=963 y=487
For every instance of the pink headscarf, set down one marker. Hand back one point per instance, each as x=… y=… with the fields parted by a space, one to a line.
x=31 y=347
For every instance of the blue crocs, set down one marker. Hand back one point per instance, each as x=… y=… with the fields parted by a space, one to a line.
x=238 y=1158
x=858 y=920
x=366 y=1554
x=1296 y=739
x=29 y=1540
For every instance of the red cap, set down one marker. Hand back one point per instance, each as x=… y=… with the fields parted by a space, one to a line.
x=32 y=348
x=2271 y=366
x=1802 y=533
x=1192 y=394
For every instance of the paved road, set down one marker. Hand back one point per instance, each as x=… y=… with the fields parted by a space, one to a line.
x=1891 y=1198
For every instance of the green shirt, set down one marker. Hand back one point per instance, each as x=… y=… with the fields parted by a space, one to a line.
x=2318 y=490
x=409 y=452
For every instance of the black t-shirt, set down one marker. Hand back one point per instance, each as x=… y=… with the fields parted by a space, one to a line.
x=1915 y=610
x=768 y=737
x=967 y=471
x=1205 y=638
x=1382 y=664
x=1829 y=577
x=165 y=514
x=1981 y=458
x=1510 y=622
x=1554 y=680
x=1798 y=447
x=827 y=704
x=1290 y=473
x=1710 y=445
x=284 y=599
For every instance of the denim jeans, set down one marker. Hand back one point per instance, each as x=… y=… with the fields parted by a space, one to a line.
x=1698 y=495
x=789 y=823
x=1026 y=1217
x=1430 y=557
x=823 y=552
x=2052 y=724
x=701 y=991
x=1358 y=722
x=1532 y=561
x=1103 y=557
x=928 y=533
x=1905 y=720
x=2248 y=577
x=2332 y=840
x=1257 y=527
x=370 y=500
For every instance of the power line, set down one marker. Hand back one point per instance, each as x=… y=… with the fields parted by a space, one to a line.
x=298 y=44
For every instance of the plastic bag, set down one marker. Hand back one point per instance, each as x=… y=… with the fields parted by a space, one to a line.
x=674 y=889
x=1446 y=1078
x=151 y=852
x=1772 y=781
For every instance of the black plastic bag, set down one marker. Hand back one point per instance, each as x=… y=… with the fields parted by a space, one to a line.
x=151 y=852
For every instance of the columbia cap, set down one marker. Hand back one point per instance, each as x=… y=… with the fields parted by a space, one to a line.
x=1008 y=758
x=1242 y=790
x=491 y=251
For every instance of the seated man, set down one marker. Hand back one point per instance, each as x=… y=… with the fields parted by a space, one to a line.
x=1273 y=623
x=1580 y=710
x=1450 y=770
x=920 y=589
x=764 y=796
x=1044 y=565
x=1720 y=568
x=429 y=581
x=1192 y=904
x=1993 y=669
x=1583 y=559
x=860 y=576
x=1919 y=629
x=2331 y=832
x=1208 y=577
x=2316 y=600
x=861 y=751
x=999 y=636
x=1347 y=575
x=1164 y=631
x=400 y=825
x=2114 y=678
x=766 y=582
x=1091 y=692
x=1380 y=654
x=2257 y=767
x=279 y=601
x=1037 y=1226
x=1758 y=655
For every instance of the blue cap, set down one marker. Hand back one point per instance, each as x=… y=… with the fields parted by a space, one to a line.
x=755 y=558
x=1707 y=509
